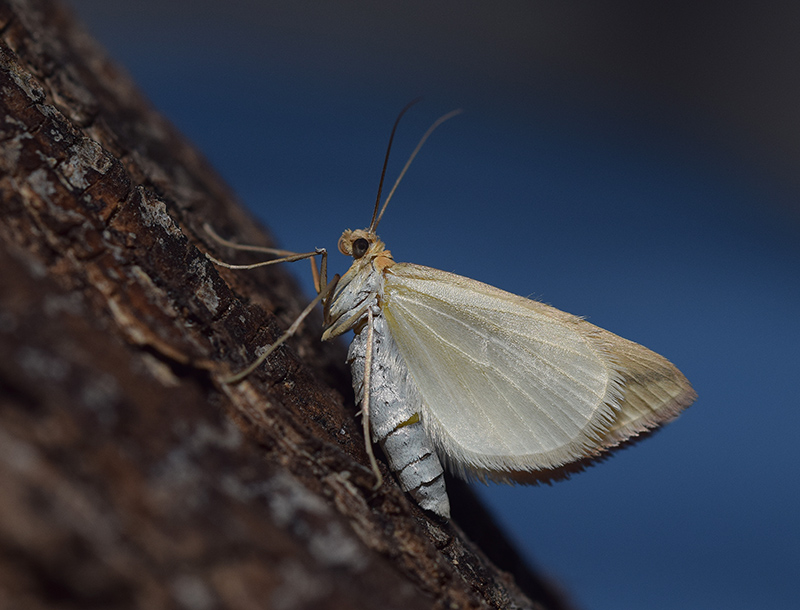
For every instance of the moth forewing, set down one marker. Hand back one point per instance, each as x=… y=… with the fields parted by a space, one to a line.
x=654 y=390
x=511 y=385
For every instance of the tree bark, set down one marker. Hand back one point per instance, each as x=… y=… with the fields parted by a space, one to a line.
x=131 y=476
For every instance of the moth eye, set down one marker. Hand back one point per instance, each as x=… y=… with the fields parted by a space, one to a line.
x=360 y=247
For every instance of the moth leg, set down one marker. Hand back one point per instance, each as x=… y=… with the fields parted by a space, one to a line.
x=280 y=340
x=245 y=247
x=365 y=404
x=286 y=256
x=320 y=283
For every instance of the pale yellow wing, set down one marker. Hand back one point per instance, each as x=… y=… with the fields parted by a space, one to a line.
x=512 y=386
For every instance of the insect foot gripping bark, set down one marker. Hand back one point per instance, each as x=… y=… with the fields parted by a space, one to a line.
x=493 y=385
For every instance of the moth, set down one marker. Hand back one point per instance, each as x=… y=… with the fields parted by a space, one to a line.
x=453 y=373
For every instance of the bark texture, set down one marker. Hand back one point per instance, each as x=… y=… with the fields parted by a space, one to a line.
x=130 y=475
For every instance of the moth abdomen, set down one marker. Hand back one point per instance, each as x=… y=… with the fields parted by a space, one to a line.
x=418 y=468
x=394 y=408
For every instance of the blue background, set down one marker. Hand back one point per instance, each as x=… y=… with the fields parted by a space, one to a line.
x=632 y=165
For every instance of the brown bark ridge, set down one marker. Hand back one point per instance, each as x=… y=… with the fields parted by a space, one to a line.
x=130 y=475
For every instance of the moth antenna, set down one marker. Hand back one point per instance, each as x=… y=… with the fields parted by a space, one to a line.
x=374 y=225
x=386 y=162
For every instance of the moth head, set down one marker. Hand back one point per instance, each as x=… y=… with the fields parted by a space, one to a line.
x=360 y=243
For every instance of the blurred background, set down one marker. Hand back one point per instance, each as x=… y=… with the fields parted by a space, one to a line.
x=634 y=163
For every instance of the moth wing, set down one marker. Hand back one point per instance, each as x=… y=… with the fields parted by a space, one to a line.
x=512 y=387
